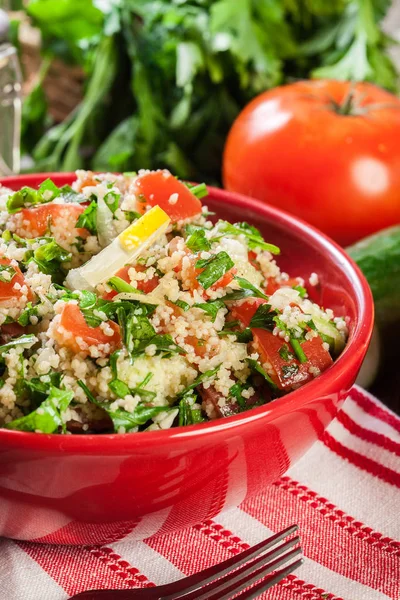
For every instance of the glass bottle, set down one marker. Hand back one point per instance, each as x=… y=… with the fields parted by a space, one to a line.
x=10 y=102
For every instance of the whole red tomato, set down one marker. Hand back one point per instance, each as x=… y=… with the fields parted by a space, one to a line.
x=327 y=151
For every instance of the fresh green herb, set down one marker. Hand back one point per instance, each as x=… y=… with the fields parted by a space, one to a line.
x=88 y=219
x=29 y=311
x=7 y=235
x=248 y=290
x=191 y=67
x=7 y=273
x=191 y=228
x=187 y=414
x=27 y=340
x=214 y=268
x=199 y=190
x=70 y=196
x=298 y=350
x=236 y=393
x=289 y=371
x=211 y=308
x=122 y=418
x=48 y=191
x=180 y=304
x=253 y=236
x=48 y=418
x=51 y=252
x=285 y=353
x=263 y=318
x=49 y=258
x=302 y=290
x=119 y=388
x=311 y=325
x=131 y=215
x=27 y=196
x=39 y=387
x=138 y=333
x=206 y=376
x=255 y=366
x=146 y=380
x=122 y=287
x=244 y=336
x=197 y=241
x=112 y=201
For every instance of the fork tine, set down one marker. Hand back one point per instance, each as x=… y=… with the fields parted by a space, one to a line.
x=198 y=580
x=264 y=585
x=235 y=577
x=232 y=585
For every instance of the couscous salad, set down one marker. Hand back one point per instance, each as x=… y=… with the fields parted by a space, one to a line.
x=124 y=307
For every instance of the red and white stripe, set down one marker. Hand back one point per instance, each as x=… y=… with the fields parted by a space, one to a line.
x=344 y=494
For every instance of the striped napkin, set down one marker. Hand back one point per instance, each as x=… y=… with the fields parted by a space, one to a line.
x=344 y=494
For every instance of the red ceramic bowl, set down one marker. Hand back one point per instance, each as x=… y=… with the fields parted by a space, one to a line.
x=95 y=489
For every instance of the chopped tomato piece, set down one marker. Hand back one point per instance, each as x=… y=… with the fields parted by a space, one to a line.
x=160 y=188
x=9 y=289
x=252 y=256
x=287 y=371
x=73 y=325
x=273 y=285
x=35 y=221
x=225 y=279
x=144 y=286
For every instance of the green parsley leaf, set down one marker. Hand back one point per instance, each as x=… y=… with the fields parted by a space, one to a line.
x=48 y=190
x=51 y=252
x=121 y=286
x=119 y=388
x=206 y=376
x=88 y=219
x=112 y=201
x=48 y=417
x=197 y=241
x=248 y=290
x=39 y=387
x=7 y=273
x=214 y=268
x=187 y=414
x=255 y=366
x=211 y=308
x=70 y=196
x=27 y=340
x=180 y=304
x=27 y=196
x=29 y=311
x=122 y=418
x=253 y=236
x=263 y=318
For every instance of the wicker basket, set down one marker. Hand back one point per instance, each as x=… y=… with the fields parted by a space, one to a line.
x=63 y=85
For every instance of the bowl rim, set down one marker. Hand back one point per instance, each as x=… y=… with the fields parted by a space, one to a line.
x=355 y=349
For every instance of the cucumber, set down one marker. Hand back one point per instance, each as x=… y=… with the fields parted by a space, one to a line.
x=378 y=257
x=329 y=334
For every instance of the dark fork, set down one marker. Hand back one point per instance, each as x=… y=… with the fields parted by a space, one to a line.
x=225 y=580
